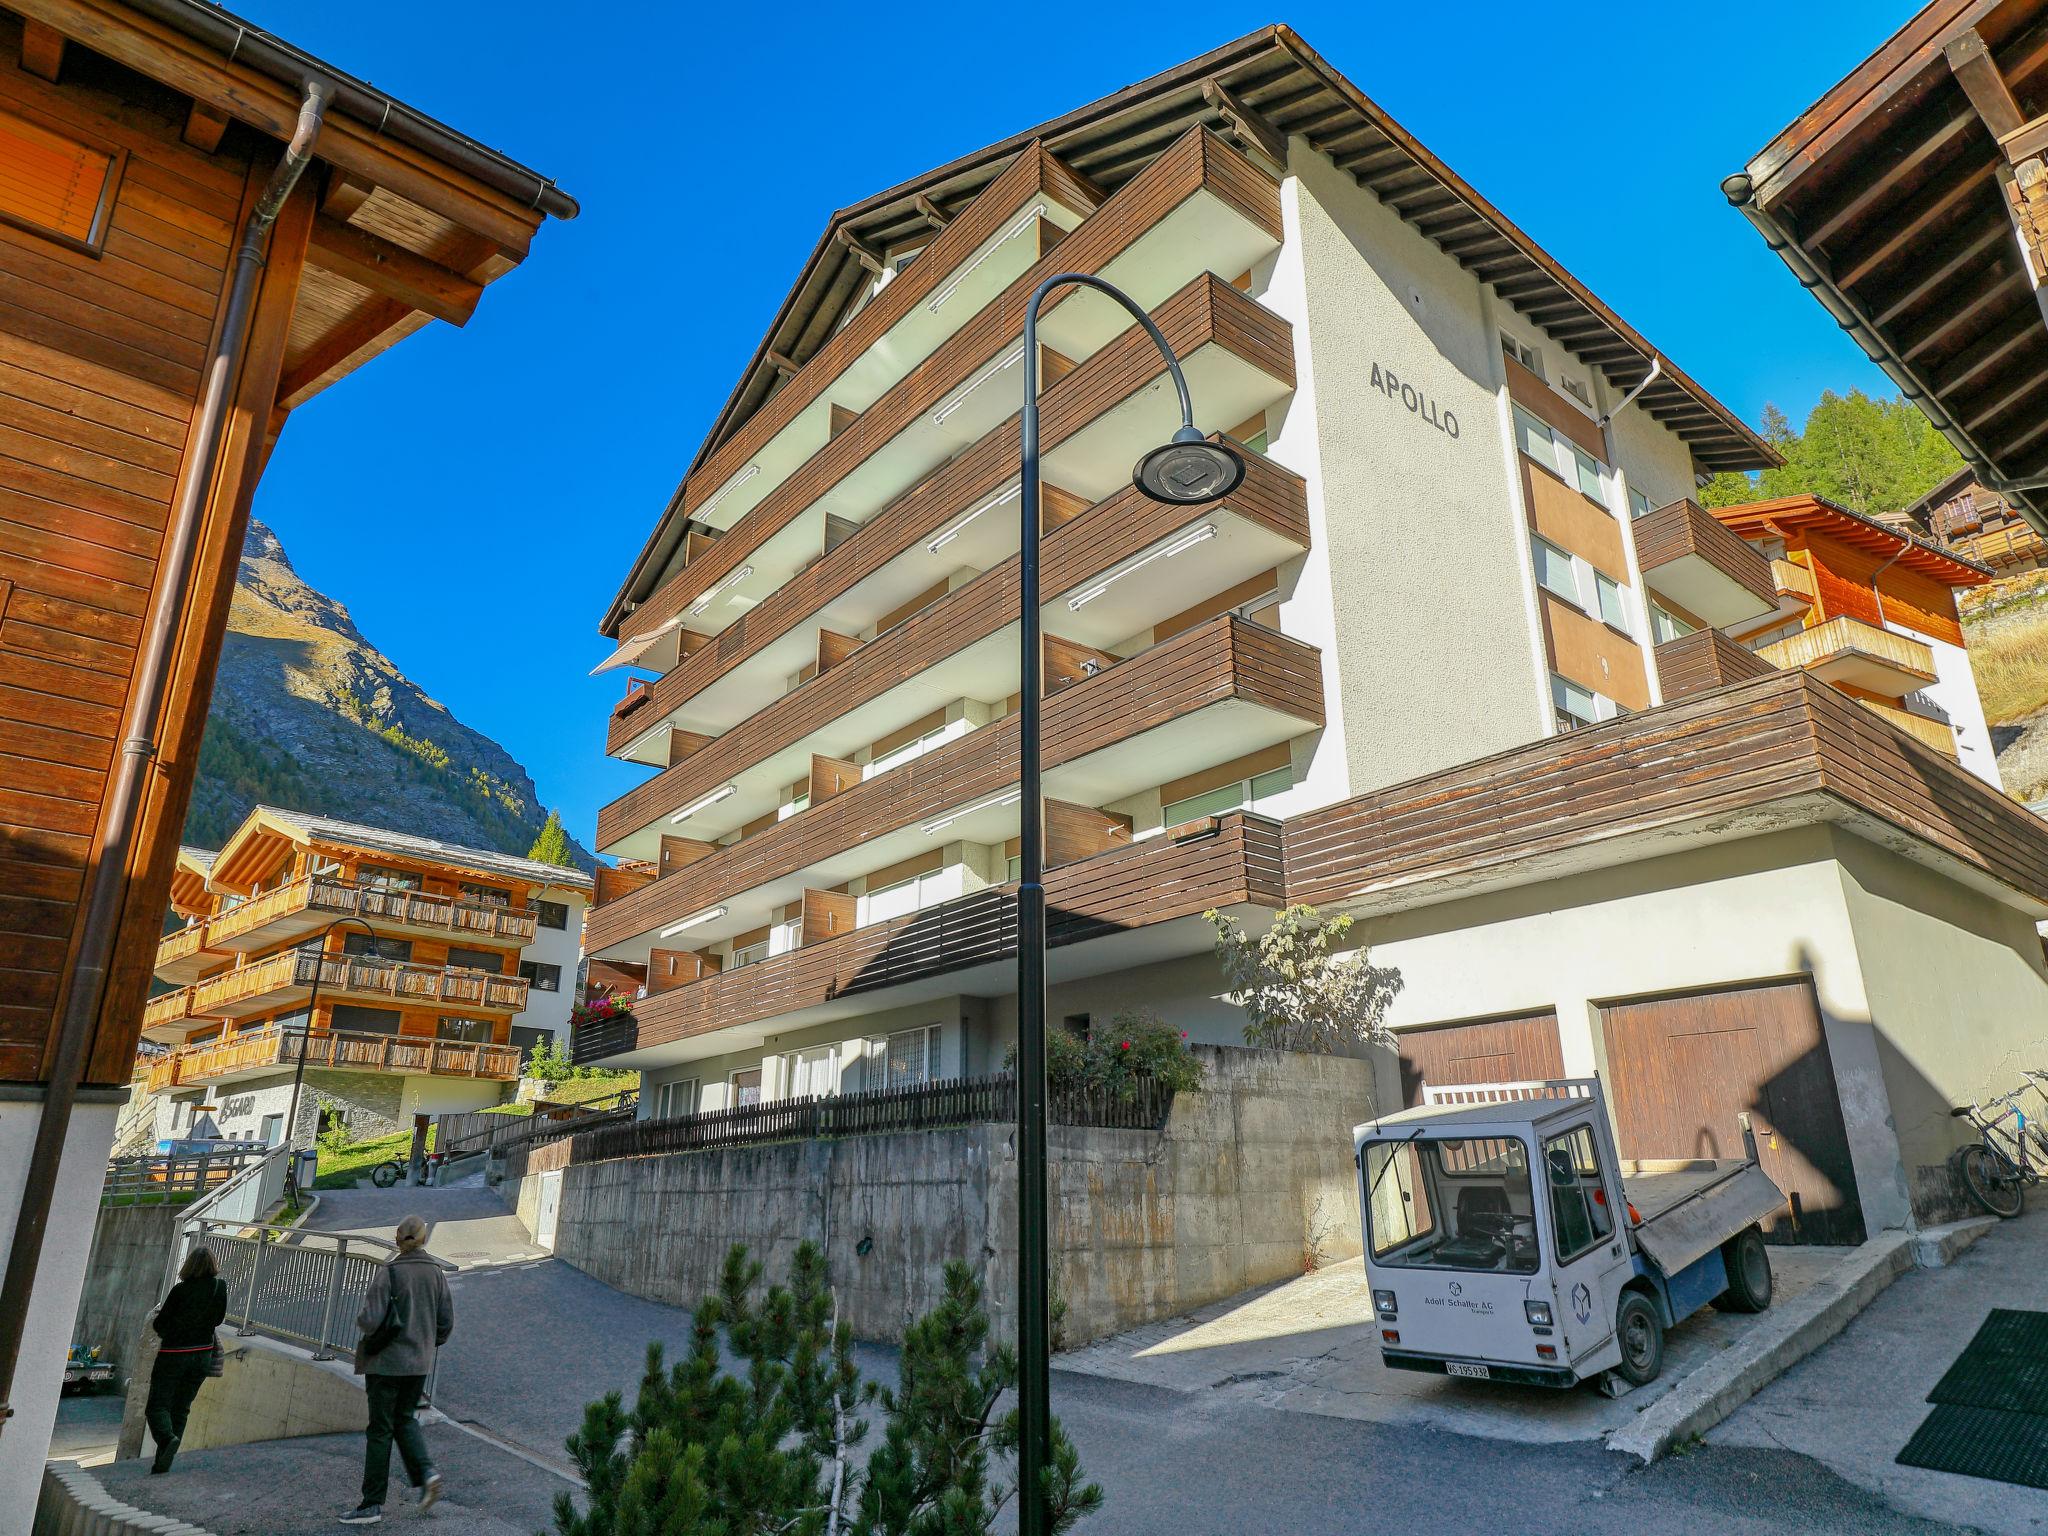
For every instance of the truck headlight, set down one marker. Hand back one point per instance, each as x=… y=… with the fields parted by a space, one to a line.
x=1538 y=1313
x=1383 y=1303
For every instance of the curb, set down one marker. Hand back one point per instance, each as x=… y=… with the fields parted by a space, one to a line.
x=1939 y=1247
x=1779 y=1341
x=73 y=1503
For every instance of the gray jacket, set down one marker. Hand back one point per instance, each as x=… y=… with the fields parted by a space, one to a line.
x=416 y=1281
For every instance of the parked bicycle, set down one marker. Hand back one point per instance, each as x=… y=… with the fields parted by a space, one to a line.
x=1998 y=1170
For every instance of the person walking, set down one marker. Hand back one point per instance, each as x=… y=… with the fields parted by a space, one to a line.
x=406 y=1318
x=184 y=1324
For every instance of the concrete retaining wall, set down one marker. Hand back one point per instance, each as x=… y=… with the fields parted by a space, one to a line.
x=1246 y=1178
x=124 y=1279
x=268 y=1391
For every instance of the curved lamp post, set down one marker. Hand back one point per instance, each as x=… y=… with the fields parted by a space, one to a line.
x=291 y=1124
x=1185 y=471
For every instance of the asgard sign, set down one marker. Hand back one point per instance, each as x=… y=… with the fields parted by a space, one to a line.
x=1388 y=383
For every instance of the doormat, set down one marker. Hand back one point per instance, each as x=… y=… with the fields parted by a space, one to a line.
x=2005 y=1366
x=1990 y=1443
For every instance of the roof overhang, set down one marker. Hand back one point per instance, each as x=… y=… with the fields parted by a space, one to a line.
x=1258 y=91
x=1816 y=514
x=1901 y=200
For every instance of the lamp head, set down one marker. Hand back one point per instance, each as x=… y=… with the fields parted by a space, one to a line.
x=1188 y=470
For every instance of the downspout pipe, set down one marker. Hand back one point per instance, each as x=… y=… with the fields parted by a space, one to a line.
x=1656 y=372
x=1740 y=191
x=132 y=769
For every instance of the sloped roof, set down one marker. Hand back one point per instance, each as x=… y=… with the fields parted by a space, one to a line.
x=1817 y=512
x=356 y=834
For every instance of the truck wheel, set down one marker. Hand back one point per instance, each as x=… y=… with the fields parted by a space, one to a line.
x=1641 y=1336
x=1749 y=1273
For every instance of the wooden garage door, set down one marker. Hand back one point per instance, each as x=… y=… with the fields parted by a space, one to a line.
x=1516 y=1050
x=1680 y=1070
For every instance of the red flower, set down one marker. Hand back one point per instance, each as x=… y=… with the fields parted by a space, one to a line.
x=1126 y=1045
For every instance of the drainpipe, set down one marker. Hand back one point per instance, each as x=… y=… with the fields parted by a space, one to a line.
x=1904 y=545
x=1740 y=191
x=1629 y=399
x=132 y=771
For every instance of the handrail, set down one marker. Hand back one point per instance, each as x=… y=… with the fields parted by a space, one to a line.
x=334 y=893
x=244 y=1186
x=347 y=1050
x=361 y=973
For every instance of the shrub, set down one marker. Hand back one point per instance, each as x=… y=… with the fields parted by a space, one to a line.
x=550 y=1063
x=1298 y=990
x=1135 y=1043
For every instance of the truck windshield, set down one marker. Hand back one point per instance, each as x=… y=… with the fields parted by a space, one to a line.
x=1440 y=1203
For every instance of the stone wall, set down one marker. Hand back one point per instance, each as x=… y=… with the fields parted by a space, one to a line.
x=1246 y=1178
x=124 y=1279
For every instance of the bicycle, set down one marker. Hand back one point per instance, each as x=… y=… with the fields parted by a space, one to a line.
x=1998 y=1170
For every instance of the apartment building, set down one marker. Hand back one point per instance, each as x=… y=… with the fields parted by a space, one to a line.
x=1455 y=657
x=175 y=287
x=439 y=968
x=1871 y=607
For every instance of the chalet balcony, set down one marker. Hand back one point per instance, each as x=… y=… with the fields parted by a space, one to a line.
x=313 y=901
x=1200 y=207
x=1850 y=651
x=1937 y=734
x=1696 y=564
x=1143 y=901
x=284 y=979
x=272 y=1050
x=167 y=1016
x=1218 y=691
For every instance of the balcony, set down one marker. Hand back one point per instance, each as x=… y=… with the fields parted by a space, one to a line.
x=1138 y=903
x=1702 y=661
x=314 y=901
x=1861 y=655
x=1937 y=734
x=281 y=980
x=1696 y=564
x=273 y=1050
x=180 y=956
x=1218 y=691
x=1238 y=358
x=165 y=1016
x=1199 y=207
x=964 y=646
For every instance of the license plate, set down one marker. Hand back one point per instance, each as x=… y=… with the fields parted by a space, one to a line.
x=1460 y=1368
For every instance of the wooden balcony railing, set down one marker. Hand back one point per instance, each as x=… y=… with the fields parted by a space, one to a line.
x=358 y=976
x=1674 y=542
x=1792 y=580
x=169 y=1008
x=328 y=896
x=1937 y=734
x=338 y=1050
x=1843 y=638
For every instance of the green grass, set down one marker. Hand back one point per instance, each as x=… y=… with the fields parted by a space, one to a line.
x=582 y=1090
x=340 y=1166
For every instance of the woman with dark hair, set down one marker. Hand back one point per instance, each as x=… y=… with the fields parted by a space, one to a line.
x=185 y=1324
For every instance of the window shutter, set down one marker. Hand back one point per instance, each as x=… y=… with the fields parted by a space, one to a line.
x=49 y=181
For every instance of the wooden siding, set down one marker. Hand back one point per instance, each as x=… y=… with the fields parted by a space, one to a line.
x=1224 y=862
x=1842 y=579
x=1118 y=527
x=1226 y=658
x=1684 y=528
x=1767 y=739
x=1200 y=161
x=1702 y=661
x=1523 y=1049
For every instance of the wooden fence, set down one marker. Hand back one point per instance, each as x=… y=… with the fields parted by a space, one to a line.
x=173 y=1178
x=920 y=1107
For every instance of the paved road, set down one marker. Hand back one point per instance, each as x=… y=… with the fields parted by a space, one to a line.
x=536 y=1339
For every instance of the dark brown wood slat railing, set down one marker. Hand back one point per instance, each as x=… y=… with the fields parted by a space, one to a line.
x=1685 y=528
x=1705 y=660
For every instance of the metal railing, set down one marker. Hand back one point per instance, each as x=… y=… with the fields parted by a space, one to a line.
x=168 y=1177
x=305 y=1288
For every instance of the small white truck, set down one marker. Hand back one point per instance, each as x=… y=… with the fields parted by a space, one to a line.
x=1504 y=1241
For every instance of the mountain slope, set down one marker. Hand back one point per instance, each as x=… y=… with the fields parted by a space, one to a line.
x=308 y=714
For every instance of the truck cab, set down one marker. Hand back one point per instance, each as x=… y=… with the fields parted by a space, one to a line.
x=1501 y=1242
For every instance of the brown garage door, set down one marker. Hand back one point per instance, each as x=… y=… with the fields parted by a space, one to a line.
x=1516 y=1050
x=1680 y=1070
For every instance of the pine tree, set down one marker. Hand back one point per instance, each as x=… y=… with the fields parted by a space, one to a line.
x=1867 y=455
x=552 y=846
x=768 y=1445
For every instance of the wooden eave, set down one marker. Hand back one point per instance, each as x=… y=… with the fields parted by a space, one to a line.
x=1816 y=514
x=1266 y=85
x=1903 y=198
x=401 y=238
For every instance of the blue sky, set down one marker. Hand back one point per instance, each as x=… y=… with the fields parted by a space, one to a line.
x=474 y=496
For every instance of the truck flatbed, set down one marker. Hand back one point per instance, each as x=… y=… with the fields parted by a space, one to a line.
x=1679 y=1211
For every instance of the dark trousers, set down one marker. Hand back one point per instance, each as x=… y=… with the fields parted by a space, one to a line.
x=393 y=1401
x=173 y=1382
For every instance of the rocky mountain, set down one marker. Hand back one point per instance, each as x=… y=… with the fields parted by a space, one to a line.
x=308 y=714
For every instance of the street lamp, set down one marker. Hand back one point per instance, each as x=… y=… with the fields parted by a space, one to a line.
x=291 y=1123
x=1186 y=471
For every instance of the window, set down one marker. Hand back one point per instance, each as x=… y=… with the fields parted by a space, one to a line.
x=676 y=1097
x=1579 y=390
x=542 y=978
x=1579 y=1212
x=1228 y=797
x=377 y=878
x=912 y=895
x=797 y=803
x=476 y=959
x=376 y=946
x=490 y=895
x=1450 y=1204
x=1532 y=436
x=1639 y=503
x=1588 y=471
x=1522 y=353
x=551 y=914
x=929 y=741
x=743 y=1088
x=53 y=184
x=904 y=1058
x=1577 y=706
x=748 y=954
x=1666 y=626
x=1561 y=456
x=463 y=1029
x=1554 y=569
x=355 y=1019
x=1613 y=609
x=812 y=1074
